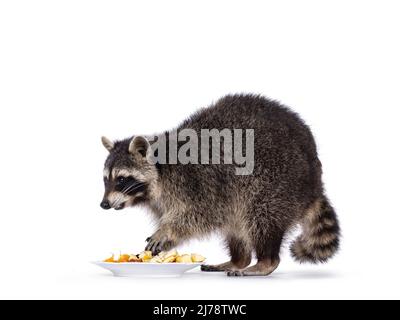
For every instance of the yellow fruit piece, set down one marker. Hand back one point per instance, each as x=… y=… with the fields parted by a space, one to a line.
x=170 y=256
x=169 y=259
x=145 y=255
x=171 y=253
x=156 y=259
x=111 y=259
x=184 y=259
x=197 y=257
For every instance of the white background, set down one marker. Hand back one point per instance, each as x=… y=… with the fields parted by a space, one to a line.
x=71 y=71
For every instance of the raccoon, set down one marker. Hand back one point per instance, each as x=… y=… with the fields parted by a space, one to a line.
x=252 y=212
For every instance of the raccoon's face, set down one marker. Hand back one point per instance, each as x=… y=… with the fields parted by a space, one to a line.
x=128 y=175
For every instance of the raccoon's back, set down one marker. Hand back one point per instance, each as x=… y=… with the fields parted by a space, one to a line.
x=278 y=130
x=285 y=156
x=248 y=111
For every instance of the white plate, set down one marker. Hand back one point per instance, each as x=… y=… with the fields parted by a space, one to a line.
x=145 y=269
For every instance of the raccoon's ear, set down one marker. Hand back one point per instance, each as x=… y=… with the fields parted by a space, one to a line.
x=107 y=143
x=139 y=145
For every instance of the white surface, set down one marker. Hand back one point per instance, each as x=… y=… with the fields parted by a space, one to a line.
x=72 y=71
x=147 y=270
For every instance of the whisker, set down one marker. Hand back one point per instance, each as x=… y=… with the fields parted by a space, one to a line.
x=122 y=194
x=134 y=187
x=130 y=188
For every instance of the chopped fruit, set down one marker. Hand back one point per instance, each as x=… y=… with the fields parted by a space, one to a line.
x=163 y=257
x=171 y=253
x=156 y=259
x=134 y=258
x=169 y=259
x=124 y=258
x=197 y=257
x=145 y=256
x=111 y=259
x=184 y=259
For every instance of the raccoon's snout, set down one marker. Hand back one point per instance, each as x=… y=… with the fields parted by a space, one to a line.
x=105 y=205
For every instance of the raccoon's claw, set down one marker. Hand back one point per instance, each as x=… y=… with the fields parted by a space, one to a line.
x=156 y=246
x=235 y=273
x=152 y=245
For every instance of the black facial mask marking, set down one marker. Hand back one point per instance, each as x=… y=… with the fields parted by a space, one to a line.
x=129 y=185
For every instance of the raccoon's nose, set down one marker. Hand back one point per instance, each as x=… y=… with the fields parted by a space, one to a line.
x=105 y=205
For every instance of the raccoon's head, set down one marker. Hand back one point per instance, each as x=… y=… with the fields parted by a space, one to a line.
x=128 y=175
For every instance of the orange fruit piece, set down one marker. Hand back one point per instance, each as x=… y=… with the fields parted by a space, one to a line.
x=111 y=259
x=124 y=258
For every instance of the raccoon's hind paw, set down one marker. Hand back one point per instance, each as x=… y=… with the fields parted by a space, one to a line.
x=262 y=268
x=235 y=273
x=218 y=267
x=209 y=268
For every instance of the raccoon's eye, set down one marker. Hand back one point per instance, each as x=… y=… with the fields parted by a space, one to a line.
x=121 y=180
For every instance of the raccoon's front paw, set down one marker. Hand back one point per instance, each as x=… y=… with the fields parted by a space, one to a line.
x=157 y=243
